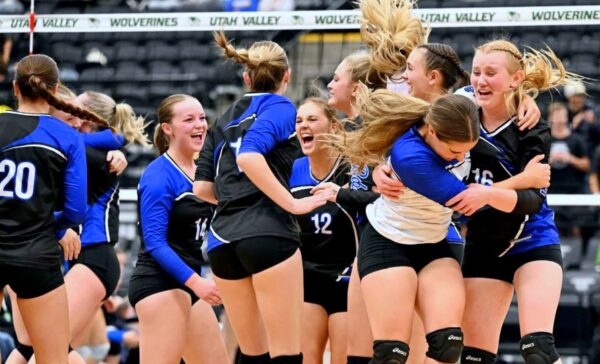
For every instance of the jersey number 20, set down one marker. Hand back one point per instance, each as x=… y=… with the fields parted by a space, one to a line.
x=24 y=176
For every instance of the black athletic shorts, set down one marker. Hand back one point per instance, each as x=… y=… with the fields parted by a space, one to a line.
x=102 y=260
x=480 y=262
x=325 y=290
x=243 y=258
x=28 y=282
x=146 y=281
x=376 y=252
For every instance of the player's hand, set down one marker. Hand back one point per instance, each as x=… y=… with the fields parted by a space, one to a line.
x=301 y=206
x=387 y=185
x=116 y=161
x=537 y=173
x=528 y=114
x=470 y=200
x=328 y=190
x=71 y=245
x=205 y=289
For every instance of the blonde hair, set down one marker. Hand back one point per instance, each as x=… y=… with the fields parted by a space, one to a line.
x=360 y=70
x=62 y=93
x=265 y=61
x=120 y=116
x=165 y=115
x=542 y=68
x=391 y=31
x=387 y=115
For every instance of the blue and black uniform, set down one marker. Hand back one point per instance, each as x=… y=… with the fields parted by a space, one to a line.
x=329 y=234
x=42 y=170
x=414 y=230
x=498 y=243
x=249 y=232
x=173 y=222
x=100 y=230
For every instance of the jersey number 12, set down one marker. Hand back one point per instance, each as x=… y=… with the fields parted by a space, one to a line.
x=24 y=176
x=322 y=222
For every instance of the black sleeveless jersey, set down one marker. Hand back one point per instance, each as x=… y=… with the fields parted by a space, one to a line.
x=42 y=170
x=329 y=234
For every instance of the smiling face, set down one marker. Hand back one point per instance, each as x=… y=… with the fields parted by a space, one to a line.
x=492 y=79
x=342 y=87
x=311 y=124
x=188 y=126
x=417 y=75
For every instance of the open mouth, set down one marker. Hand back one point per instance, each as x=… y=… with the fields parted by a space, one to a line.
x=198 y=137
x=484 y=93
x=306 y=139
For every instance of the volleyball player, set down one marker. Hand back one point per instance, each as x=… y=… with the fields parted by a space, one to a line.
x=329 y=234
x=171 y=298
x=98 y=271
x=43 y=164
x=518 y=250
x=403 y=254
x=254 y=239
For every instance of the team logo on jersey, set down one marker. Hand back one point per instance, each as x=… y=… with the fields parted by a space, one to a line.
x=356 y=179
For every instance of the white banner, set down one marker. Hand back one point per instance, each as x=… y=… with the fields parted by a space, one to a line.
x=297 y=20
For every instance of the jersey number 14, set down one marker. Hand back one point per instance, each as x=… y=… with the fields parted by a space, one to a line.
x=23 y=175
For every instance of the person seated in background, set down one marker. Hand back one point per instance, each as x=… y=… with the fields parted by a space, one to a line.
x=581 y=115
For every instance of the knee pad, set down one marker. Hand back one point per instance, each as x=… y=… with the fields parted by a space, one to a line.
x=358 y=360
x=477 y=356
x=99 y=352
x=389 y=352
x=538 y=348
x=287 y=359
x=254 y=359
x=445 y=345
x=25 y=350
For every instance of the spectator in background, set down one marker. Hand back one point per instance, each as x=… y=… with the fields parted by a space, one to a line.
x=6 y=93
x=569 y=164
x=582 y=119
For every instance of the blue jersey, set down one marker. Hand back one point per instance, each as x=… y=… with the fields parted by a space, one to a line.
x=173 y=221
x=420 y=215
x=256 y=123
x=42 y=170
x=499 y=155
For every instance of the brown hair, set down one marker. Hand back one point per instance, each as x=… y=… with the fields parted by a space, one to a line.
x=542 y=68
x=165 y=115
x=443 y=58
x=120 y=116
x=556 y=106
x=37 y=76
x=265 y=61
x=63 y=93
x=391 y=31
x=387 y=115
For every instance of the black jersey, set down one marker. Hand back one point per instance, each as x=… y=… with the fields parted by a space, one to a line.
x=42 y=170
x=329 y=234
x=256 y=123
x=498 y=156
x=173 y=221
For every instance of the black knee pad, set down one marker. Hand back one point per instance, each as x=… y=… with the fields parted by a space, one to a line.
x=389 y=352
x=538 y=348
x=358 y=360
x=287 y=359
x=25 y=350
x=254 y=359
x=445 y=345
x=472 y=355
